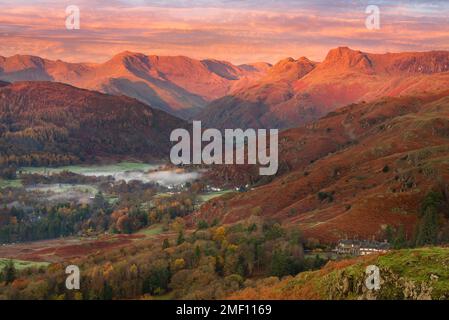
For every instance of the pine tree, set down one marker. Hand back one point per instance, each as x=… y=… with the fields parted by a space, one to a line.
x=428 y=227
x=9 y=272
x=427 y=233
x=279 y=264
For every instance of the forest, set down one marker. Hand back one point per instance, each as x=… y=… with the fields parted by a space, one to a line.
x=61 y=220
x=208 y=263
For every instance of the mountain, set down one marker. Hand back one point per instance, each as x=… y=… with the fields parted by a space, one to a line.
x=178 y=85
x=290 y=93
x=48 y=123
x=295 y=92
x=349 y=174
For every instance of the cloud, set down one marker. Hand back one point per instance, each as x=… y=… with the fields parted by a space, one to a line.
x=239 y=31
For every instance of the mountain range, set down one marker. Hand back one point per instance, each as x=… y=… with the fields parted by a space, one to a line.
x=288 y=94
x=178 y=85
x=295 y=92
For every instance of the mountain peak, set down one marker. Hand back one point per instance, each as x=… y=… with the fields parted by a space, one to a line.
x=127 y=53
x=291 y=69
x=304 y=59
x=346 y=58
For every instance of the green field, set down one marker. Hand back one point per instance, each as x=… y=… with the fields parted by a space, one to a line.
x=20 y=264
x=209 y=196
x=111 y=199
x=152 y=231
x=92 y=169
x=16 y=183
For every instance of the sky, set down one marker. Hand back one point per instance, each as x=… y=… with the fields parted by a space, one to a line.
x=239 y=31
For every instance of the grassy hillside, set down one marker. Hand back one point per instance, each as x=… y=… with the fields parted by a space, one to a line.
x=405 y=274
x=351 y=173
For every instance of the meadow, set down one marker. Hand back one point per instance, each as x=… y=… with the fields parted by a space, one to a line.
x=21 y=264
x=212 y=195
x=16 y=183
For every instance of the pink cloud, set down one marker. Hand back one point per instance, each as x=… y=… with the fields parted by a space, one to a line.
x=236 y=34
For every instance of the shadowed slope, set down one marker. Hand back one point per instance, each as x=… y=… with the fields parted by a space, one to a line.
x=52 y=122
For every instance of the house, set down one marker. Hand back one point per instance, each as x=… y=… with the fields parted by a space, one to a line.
x=369 y=247
x=348 y=248
x=360 y=247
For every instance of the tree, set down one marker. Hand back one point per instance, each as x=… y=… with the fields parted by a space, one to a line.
x=202 y=224
x=9 y=272
x=432 y=200
x=219 y=234
x=179 y=264
x=427 y=230
x=428 y=225
x=396 y=237
x=181 y=238
x=165 y=244
x=197 y=254
x=279 y=264
x=158 y=279
x=100 y=202
x=124 y=224
x=178 y=224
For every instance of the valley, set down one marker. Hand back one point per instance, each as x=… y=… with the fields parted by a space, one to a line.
x=85 y=179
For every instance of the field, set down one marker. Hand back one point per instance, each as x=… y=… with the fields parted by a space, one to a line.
x=20 y=264
x=151 y=231
x=212 y=195
x=58 y=250
x=92 y=169
x=16 y=183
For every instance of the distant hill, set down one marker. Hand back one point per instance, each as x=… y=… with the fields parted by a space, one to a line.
x=52 y=123
x=349 y=174
x=178 y=85
x=296 y=92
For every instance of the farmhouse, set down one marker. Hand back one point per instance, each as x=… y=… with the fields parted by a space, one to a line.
x=361 y=247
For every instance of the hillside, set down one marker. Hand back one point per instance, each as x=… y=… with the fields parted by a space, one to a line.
x=178 y=85
x=296 y=92
x=416 y=274
x=52 y=123
x=349 y=174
